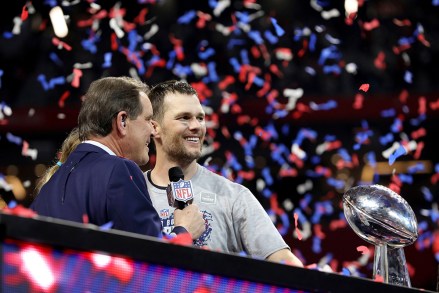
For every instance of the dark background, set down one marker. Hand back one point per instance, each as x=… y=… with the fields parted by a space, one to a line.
x=251 y=141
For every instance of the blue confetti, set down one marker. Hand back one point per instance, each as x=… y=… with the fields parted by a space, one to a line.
x=386 y=138
x=332 y=69
x=330 y=52
x=106 y=226
x=396 y=154
x=428 y=196
x=396 y=125
x=406 y=178
x=310 y=70
x=107 y=60
x=316 y=245
x=235 y=64
x=339 y=184
x=187 y=17
x=312 y=42
x=272 y=39
x=416 y=168
x=244 y=57
x=12 y=204
x=14 y=139
x=408 y=77
x=419 y=120
x=279 y=30
x=235 y=42
x=388 y=113
x=371 y=160
x=55 y=59
x=267 y=176
x=56 y=81
x=206 y=53
x=172 y=55
x=256 y=37
x=243 y=17
x=331 y=104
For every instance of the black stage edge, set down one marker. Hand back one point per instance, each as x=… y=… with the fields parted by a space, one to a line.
x=65 y=234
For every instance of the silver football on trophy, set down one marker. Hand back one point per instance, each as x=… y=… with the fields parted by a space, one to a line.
x=380 y=216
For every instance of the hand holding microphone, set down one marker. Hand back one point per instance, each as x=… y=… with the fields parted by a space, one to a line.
x=180 y=195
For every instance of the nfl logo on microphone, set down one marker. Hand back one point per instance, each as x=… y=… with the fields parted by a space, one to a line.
x=182 y=190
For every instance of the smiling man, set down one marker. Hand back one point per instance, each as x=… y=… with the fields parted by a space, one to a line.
x=235 y=220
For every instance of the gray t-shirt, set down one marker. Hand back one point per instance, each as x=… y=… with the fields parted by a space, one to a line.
x=235 y=220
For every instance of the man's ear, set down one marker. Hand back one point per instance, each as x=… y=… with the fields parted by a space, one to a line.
x=156 y=128
x=121 y=122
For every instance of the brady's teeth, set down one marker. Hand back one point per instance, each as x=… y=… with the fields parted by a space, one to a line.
x=194 y=139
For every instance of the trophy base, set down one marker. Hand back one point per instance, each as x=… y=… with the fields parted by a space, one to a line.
x=390 y=264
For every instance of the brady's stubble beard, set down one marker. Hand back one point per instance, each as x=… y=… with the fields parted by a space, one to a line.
x=176 y=150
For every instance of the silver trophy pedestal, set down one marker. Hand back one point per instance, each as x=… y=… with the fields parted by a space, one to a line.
x=383 y=218
x=389 y=263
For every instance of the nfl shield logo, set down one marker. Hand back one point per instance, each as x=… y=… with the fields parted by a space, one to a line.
x=164 y=213
x=182 y=190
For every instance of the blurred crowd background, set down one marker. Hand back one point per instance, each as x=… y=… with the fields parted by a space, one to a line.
x=305 y=99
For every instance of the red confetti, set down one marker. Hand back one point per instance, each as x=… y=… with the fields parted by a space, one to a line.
x=364 y=87
x=418 y=133
x=24 y=13
x=255 y=52
x=373 y=24
x=141 y=18
x=64 y=96
x=184 y=239
x=419 y=148
x=434 y=105
x=379 y=61
x=318 y=231
x=337 y=224
x=203 y=18
x=19 y=210
x=226 y=82
x=422 y=105
x=358 y=103
x=178 y=47
x=403 y=96
x=299 y=234
x=60 y=44
x=363 y=249
x=379 y=279
x=77 y=73
x=404 y=22
x=266 y=87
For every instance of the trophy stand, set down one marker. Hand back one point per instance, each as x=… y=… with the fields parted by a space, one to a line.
x=383 y=218
x=389 y=263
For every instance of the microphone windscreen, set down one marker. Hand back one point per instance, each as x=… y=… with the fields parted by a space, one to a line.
x=175 y=174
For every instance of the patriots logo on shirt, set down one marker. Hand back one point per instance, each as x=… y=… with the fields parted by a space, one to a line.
x=168 y=224
x=205 y=237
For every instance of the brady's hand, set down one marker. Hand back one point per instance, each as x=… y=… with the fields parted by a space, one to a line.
x=191 y=219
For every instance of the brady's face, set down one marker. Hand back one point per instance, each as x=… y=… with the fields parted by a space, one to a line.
x=139 y=133
x=183 y=128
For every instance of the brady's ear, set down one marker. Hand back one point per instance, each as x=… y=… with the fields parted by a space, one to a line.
x=156 y=129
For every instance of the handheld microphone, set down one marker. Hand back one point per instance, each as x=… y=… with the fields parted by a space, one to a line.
x=179 y=191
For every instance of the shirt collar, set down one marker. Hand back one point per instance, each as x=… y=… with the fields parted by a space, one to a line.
x=102 y=146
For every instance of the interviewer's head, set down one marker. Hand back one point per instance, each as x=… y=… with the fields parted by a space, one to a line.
x=118 y=108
